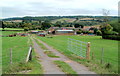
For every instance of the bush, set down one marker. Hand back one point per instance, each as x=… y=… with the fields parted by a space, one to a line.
x=85 y=32
x=26 y=28
x=99 y=32
x=112 y=37
x=79 y=32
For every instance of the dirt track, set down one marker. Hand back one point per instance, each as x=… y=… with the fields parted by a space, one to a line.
x=48 y=65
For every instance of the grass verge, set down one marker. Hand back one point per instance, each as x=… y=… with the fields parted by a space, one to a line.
x=65 y=67
x=51 y=54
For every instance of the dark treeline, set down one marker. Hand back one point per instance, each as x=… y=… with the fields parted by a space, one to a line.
x=37 y=18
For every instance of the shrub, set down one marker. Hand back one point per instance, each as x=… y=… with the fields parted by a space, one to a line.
x=99 y=32
x=112 y=37
x=26 y=28
x=85 y=32
x=79 y=32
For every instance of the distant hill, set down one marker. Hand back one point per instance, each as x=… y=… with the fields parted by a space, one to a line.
x=52 y=18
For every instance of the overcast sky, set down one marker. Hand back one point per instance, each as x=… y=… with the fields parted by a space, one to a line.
x=20 y=8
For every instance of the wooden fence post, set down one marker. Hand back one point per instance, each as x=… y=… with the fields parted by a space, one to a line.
x=88 y=51
x=102 y=54
x=92 y=56
x=10 y=55
x=29 y=56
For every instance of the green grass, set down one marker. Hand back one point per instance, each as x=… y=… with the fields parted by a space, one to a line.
x=51 y=54
x=36 y=67
x=65 y=67
x=110 y=51
x=5 y=33
x=12 y=29
x=19 y=47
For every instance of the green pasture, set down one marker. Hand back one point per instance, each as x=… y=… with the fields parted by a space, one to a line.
x=110 y=48
x=5 y=33
x=19 y=46
x=11 y=29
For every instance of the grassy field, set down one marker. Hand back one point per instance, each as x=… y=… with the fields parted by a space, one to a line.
x=110 y=51
x=6 y=33
x=12 y=29
x=20 y=46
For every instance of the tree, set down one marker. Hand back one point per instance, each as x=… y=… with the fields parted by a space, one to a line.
x=105 y=13
x=98 y=32
x=106 y=29
x=116 y=25
x=45 y=25
x=58 y=24
x=78 y=25
x=3 y=25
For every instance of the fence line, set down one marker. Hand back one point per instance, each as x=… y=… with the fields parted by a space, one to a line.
x=11 y=57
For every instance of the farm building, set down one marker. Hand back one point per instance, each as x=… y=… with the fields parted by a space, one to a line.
x=35 y=32
x=61 y=30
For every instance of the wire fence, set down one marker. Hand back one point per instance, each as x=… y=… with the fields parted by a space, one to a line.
x=13 y=56
x=104 y=55
x=77 y=47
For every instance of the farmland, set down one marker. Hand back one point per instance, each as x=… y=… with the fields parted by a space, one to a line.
x=110 y=50
x=19 y=46
x=12 y=29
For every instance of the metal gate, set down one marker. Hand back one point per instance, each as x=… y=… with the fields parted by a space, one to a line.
x=77 y=47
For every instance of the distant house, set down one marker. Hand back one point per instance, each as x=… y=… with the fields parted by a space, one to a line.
x=61 y=30
x=86 y=28
x=36 y=32
x=90 y=28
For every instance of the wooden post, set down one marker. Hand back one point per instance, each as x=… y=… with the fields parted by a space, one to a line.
x=102 y=53
x=10 y=55
x=88 y=51
x=29 y=56
x=92 y=56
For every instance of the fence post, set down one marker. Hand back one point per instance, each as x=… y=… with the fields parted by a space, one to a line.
x=102 y=53
x=10 y=55
x=29 y=56
x=92 y=56
x=88 y=51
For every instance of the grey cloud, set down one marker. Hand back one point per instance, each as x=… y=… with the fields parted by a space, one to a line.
x=41 y=8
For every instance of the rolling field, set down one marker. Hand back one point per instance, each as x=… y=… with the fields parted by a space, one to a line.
x=110 y=48
x=12 y=29
x=20 y=46
x=5 y=33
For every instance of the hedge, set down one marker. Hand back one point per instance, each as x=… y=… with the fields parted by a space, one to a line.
x=112 y=37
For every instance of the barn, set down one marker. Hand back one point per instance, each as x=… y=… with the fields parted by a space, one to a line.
x=61 y=30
